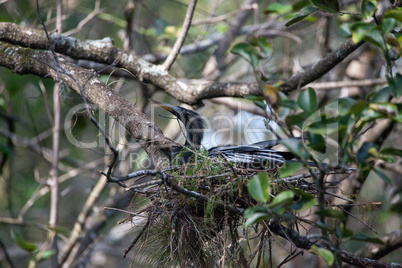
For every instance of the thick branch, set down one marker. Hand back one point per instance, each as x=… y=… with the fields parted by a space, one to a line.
x=42 y=63
x=320 y=68
x=103 y=51
x=191 y=92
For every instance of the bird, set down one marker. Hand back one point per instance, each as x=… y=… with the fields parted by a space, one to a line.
x=258 y=156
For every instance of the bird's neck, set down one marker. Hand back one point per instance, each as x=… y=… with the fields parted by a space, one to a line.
x=194 y=133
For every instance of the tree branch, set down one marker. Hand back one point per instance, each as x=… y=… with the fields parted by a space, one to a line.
x=187 y=91
x=321 y=67
x=40 y=63
x=347 y=83
x=183 y=33
x=392 y=241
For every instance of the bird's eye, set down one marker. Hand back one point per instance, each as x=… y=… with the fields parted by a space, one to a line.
x=178 y=109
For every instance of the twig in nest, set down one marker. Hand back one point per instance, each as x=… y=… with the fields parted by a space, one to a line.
x=137 y=238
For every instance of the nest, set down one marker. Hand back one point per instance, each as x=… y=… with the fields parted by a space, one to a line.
x=194 y=214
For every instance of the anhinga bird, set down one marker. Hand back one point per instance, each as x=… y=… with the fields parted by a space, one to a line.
x=256 y=156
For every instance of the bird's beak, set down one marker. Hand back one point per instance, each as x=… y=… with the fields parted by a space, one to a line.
x=164 y=106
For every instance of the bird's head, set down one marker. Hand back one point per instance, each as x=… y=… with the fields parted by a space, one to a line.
x=192 y=121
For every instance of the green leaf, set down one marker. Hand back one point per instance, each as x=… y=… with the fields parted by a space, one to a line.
x=344 y=105
x=395 y=84
x=258 y=100
x=395 y=13
x=380 y=110
x=371 y=115
x=305 y=202
x=368 y=32
x=296 y=147
x=317 y=142
x=382 y=175
x=368 y=8
x=331 y=213
x=307 y=101
x=289 y=169
x=358 y=108
x=290 y=104
x=265 y=47
x=331 y=6
x=282 y=197
x=325 y=227
x=25 y=245
x=278 y=8
x=326 y=254
x=366 y=238
x=325 y=126
x=258 y=188
x=391 y=151
x=375 y=37
x=345 y=30
x=342 y=232
x=389 y=109
x=47 y=254
x=360 y=31
x=388 y=24
x=252 y=210
x=261 y=43
x=255 y=214
x=363 y=152
x=303 y=13
x=383 y=95
x=295 y=119
x=247 y=52
x=256 y=217
x=398 y=118
x=364 y=169
x=300 y=4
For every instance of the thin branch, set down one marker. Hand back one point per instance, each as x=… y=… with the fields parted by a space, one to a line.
x=351 y=83
x=143 y=185
x=7 y=256
x=215 y=38
x=87 y=19
x=230 y=35
x=137 y=238
x=183 y=33
x=135 y=174
x=304 y=243
x=63 y=178
x=54 y=171
x=239 y=104
x=170 y=182
x=394 y=167
x=223 y=17
x=81 y=219
x=44 y=152
x=392 y=241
